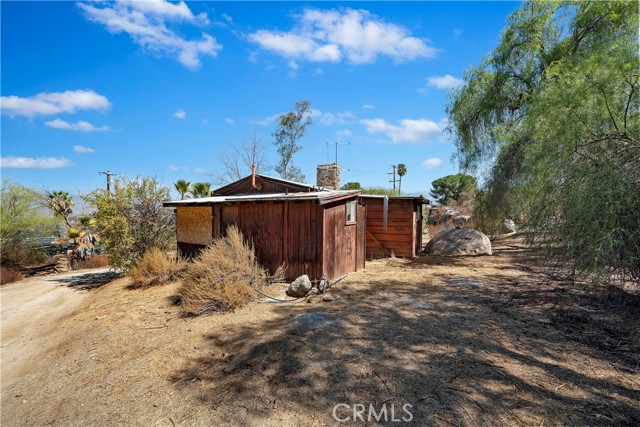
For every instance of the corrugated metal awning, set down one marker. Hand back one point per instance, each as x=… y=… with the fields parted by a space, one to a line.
x=321 y=197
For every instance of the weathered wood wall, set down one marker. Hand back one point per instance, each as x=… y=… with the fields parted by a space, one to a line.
x=308 y=238
x=339 y=242
x=400 y=237
x=193 y=224
x=288 y=233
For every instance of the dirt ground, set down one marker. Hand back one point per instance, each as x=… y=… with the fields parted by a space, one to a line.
x=512 y=345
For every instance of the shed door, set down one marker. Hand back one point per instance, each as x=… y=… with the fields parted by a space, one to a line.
x=361 y=236
x=228 y=217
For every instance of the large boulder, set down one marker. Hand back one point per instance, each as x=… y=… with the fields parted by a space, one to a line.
x=459 y=241
x=300 y=287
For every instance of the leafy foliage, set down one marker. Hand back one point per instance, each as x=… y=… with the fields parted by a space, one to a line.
x=452 y=187
x=290 y=130
x=381 y=191
x=182 y=187
x=554 y=112
x=200 y=189
x=22 y=222
x=351 y=186
x=61 y=204
x=131 y=219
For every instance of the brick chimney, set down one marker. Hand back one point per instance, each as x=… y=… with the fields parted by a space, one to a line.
x=328 y=176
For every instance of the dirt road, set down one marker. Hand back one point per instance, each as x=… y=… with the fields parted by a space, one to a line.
x=30 y=310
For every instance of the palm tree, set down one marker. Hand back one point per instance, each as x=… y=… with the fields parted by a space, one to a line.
x=182 y=187
x=81 y=240
x=61 y=203
x=201 y=189
x=402 y=171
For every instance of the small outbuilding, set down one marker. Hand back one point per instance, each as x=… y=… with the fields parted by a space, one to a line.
x=394 y=225
x=309 y=230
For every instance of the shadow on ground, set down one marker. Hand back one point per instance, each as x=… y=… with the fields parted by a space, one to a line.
x=87 y=281
x=516 y=351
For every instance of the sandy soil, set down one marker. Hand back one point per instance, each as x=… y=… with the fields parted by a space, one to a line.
x=509 y=345
x=30 y=311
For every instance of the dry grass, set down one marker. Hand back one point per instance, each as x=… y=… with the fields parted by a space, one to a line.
x=10 y=275
x=156 y=268
x=96 y=261
x=224 y=276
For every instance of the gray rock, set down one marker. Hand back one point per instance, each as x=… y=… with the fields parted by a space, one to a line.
x=299 y=287
x=509 y=225
x=459 y=241
x=328 y=298
x=312 y=320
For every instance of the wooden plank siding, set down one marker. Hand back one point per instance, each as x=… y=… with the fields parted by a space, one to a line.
x=307 y=237
x=339 y=242
x=400 y=236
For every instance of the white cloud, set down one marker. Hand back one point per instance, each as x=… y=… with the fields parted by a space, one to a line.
x=331 y=36
x=48 y=103
x=164 y=9
x=82 y=149
x=317 y=72
x=180 y=114
x=457 y=33
x=227 y=18
x=345 y=132
x=322 y=117
x=176 y=168
x=230 y=121
x=328 y=118
x=11 y=162
x=444 y=82
x=201 y=171
x=146 y=23
x=80 y=126
x=432 y=163
x=407 y=130
x=368 y=107
x=265 y=120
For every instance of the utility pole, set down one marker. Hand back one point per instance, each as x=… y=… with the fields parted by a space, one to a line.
x=394 y=177
x=109 y=175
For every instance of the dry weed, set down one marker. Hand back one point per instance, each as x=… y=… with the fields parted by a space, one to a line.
x=156 y=268
x=96 y=261
x=10 y=275
x=225 y=276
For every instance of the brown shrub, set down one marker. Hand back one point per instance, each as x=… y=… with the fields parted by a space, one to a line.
x=156 y=268
x=96 y=261
x=224 y=276
x=10 y=275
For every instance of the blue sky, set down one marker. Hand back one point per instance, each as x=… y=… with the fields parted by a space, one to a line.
x=157 y=88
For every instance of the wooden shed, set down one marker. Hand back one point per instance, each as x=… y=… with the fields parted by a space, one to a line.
x=394 y=225
x=318 y=233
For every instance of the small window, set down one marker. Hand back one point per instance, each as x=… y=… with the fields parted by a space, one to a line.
x=351 y=212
